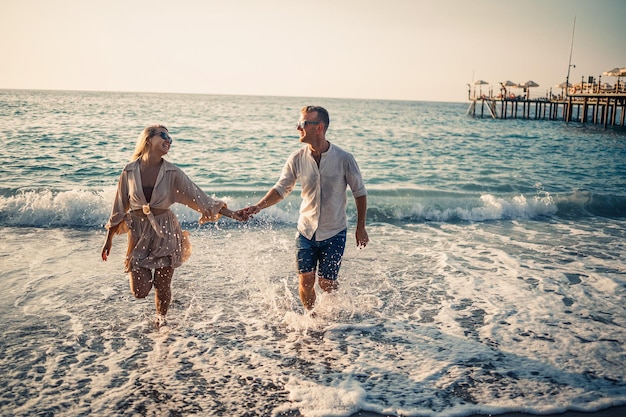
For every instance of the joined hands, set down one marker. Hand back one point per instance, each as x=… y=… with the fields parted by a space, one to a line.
x=242 y=215
x=246 y=213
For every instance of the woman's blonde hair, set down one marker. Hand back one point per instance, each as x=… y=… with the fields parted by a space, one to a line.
x=142 y=147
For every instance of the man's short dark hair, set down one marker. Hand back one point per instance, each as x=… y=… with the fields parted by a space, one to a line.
x=322 y=114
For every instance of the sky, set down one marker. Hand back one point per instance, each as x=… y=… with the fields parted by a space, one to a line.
x=418 y=50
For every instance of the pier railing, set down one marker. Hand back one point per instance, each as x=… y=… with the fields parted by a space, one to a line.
x=585 y=105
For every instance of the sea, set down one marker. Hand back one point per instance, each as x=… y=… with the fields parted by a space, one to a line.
x=494 y=280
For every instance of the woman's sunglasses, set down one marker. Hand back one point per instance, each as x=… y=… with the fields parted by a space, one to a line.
x=165 y=136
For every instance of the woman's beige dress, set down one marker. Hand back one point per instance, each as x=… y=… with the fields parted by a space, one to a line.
x=156 y=241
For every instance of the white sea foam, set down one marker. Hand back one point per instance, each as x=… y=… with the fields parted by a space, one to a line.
x=89 y=208
x=446 y=319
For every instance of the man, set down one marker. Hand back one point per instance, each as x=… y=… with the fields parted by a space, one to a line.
x=324 y=171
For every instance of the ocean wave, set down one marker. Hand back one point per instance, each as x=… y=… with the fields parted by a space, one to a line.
x=77 y=208
x=454 y=207
x=476 y=208
x=82 y=208
x=47 y=208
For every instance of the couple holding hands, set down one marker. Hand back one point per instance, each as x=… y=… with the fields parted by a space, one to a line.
x=149 y=185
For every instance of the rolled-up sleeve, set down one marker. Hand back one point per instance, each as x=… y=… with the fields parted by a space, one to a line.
x=288 y=177
x=354 y=178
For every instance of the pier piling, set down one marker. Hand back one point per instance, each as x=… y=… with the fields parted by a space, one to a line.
x=607 y=109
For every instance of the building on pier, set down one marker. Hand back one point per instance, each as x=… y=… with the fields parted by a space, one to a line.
x=586 y=102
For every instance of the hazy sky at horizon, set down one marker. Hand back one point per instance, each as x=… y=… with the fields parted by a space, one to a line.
x=427 y=50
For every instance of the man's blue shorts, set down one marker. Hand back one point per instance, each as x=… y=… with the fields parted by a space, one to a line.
x=326 y=253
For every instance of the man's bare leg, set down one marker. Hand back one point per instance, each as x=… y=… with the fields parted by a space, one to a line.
x=328 y=285
x=307 y=289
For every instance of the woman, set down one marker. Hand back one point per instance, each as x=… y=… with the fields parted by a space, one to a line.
x=147 y=187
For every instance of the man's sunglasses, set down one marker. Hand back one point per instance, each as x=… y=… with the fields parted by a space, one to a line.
x=302 y=123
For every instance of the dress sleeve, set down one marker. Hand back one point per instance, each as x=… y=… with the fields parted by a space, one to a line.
x=121 y=204
x=189 y=194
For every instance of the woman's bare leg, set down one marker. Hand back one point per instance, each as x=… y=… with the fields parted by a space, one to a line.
x=140 y=282
x=163 y=289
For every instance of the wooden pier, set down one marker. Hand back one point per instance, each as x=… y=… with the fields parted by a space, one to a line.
x=601 y=108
